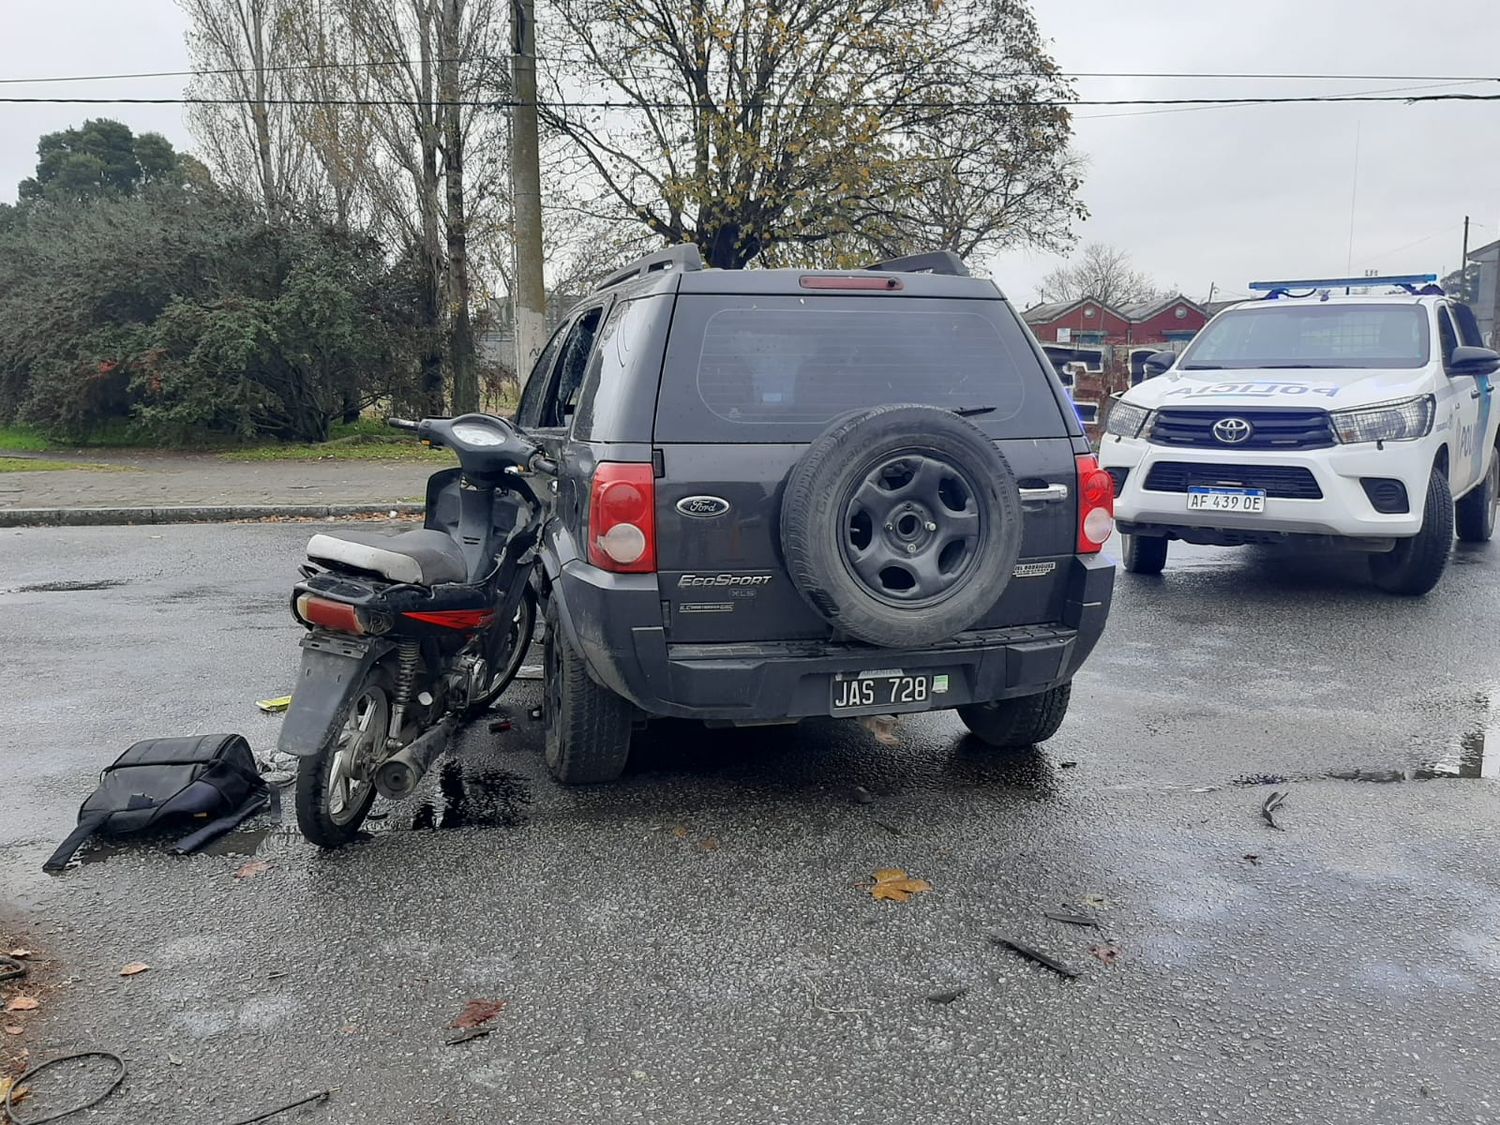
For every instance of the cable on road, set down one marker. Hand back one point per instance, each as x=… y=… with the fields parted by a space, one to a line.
x=10 y=1108
x=321 y=1095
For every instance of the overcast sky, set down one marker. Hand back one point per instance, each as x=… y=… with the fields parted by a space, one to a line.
x=1208 y=196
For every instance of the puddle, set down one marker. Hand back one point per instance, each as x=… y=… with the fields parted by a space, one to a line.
x=475 y=798
x=68 y=587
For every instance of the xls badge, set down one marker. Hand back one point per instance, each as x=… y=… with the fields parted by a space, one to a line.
x=1033 y=570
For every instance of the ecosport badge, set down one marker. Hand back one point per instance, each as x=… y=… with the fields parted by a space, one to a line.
x=703 y=507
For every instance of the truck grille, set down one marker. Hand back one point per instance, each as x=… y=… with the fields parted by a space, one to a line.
x=1285 y=482
x=1270 y=429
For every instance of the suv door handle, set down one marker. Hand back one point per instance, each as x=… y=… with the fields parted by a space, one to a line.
x=1051 y=493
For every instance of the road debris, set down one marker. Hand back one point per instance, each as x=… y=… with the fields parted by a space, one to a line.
x=135 y=969
x=1252 y=858
x=13 y=968
x=19 y=1087
x=13 y=1029
x=321 y=1095
x=477 y=1012
x=883 y=728
x=251 y=870
x=468 y=1034
x=20 y=954
x=274 y=706
x=1071 y=919
x=946 y=995
x=1109 y=954
x=500 y=726
x=23 y=1004
x=1269 y=807
x=529 y=672
x=1095 y=902
x=891 y=884
x=1034 y=955
x=862 y=796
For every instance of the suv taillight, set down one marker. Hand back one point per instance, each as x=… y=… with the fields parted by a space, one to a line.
x=622 y=518
x=1096 y=505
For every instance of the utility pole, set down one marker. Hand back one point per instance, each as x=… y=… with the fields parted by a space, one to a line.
x=1463 y=266
x=530 y=297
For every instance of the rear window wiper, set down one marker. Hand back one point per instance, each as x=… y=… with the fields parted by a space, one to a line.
x=973 y=411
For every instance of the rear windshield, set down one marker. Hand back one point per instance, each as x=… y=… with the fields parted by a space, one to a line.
x=776 y=369
x=1312 y=335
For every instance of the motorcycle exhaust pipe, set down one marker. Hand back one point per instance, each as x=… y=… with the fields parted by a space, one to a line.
x=397 y=777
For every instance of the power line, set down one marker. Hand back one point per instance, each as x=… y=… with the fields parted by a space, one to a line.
x=982 y=103
x=1195 y=108
x=1247 y=76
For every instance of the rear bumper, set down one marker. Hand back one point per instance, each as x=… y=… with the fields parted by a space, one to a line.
x=615 y=622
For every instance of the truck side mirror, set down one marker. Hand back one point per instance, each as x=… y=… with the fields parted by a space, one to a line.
x=1157 y=362
x=1468 y=360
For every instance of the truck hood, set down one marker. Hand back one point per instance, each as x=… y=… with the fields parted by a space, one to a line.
x=1322 y=389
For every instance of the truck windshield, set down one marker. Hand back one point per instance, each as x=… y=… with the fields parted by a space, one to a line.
x=1312 y=335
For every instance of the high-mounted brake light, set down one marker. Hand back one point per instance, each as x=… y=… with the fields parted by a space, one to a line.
x=823 y=281
x=337 y=616
x=622 y=518
x=1096 y=505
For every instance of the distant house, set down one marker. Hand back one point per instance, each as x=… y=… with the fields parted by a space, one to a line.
x=1090 y=321
x=1486 y=295
x=1100 y=349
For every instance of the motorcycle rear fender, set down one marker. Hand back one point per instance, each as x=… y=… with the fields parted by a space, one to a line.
x=333 y=667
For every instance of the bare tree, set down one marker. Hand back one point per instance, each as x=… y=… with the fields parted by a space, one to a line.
x=1102 y=272
x=241 y=48
x=748 y=125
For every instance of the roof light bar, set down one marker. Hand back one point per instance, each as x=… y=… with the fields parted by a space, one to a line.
x=1408 y=281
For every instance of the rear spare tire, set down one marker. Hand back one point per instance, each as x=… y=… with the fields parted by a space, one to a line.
x=901 y=524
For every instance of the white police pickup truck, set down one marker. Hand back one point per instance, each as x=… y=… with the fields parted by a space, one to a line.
x=1311 y=417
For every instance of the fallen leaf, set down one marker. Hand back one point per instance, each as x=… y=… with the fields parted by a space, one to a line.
x=23 y=1004
x=883 y=727
x=252 y=869
x=9 y=1089
x=12 y=1029
x=680 y=832
x=708 y=844
x=20 y=954
x=135 y=968
x=894 y=885
x=1109 y=954
x=477 y=1012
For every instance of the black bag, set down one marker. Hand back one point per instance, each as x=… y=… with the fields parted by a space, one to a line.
x=210 y=777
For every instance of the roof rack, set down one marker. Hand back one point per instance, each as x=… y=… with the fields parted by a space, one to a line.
x=682 y=257
x=1407 y=281
x=935 y=261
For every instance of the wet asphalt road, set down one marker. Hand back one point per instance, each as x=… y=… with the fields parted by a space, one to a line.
x=687 y=946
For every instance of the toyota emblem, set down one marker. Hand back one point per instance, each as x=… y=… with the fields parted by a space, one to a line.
x=1232 y=431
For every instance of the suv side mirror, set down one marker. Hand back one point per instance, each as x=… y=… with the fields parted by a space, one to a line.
x=1157 y=362
x=1468 y=360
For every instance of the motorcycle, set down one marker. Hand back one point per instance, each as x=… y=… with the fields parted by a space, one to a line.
x=409 y=635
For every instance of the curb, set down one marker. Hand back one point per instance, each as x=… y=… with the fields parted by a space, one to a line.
x=191 y=513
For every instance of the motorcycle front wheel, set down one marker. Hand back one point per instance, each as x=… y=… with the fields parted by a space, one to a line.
x=336 y=785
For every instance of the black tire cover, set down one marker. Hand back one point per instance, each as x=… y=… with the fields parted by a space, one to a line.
x=901 y=524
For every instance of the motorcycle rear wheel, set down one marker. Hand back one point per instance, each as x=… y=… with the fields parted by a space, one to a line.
x=336 y=786
x=523 y=625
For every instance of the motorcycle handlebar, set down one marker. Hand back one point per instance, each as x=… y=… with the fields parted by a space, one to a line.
x=540 y=463
x=401 y=424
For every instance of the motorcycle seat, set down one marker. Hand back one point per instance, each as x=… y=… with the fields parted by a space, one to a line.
x=424 y=557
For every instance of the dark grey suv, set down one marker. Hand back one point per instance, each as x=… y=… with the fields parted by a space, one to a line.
x=790 y=493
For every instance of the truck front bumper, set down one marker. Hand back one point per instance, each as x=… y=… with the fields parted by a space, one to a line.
x=1342 y=510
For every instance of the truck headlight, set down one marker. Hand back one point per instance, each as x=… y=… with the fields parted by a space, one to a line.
x=1126 y=420
x=1395 y=421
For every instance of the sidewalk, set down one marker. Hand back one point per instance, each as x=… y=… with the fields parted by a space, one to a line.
x=202 y=481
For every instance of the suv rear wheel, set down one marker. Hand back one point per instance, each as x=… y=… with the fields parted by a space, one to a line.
x=1416 y=564
x=587 y=725
x=1476 y=511
x=1144 y=554
x=1012 y=724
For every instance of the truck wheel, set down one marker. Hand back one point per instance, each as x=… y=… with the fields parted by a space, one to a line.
x=587 y=725
x=1145 y=554
x=901 y=524
x=1476 y=511
x=1011 y=724
x=1416 y=564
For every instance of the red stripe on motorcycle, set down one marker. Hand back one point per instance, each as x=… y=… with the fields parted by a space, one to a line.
x=466 y=619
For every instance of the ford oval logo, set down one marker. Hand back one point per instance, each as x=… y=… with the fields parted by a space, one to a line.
x=703 y=507
x=1233 y=431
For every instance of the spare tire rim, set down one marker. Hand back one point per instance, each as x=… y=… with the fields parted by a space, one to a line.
x=910 y=531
